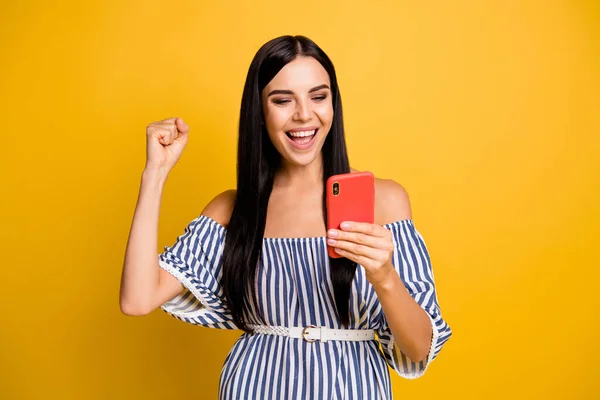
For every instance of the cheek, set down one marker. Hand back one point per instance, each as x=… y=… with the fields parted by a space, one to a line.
x=274 y=124
x=326 y=115
x=275 y=118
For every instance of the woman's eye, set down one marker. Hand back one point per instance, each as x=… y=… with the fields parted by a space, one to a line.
x=285 y=101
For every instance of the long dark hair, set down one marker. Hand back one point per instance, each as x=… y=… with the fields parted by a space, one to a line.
x=258 y=160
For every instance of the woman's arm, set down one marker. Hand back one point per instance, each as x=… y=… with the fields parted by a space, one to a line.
x=144 y=285
x=408 y=322
x=371 y=246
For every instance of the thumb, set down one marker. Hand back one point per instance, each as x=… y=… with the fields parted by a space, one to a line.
x=181 y=126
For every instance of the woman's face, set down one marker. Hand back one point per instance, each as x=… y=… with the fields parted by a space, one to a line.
x=298 y=110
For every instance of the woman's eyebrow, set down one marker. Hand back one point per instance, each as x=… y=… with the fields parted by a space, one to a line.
x=280 y=91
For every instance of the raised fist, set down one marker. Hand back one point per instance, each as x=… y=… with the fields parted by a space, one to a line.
x=165 y=141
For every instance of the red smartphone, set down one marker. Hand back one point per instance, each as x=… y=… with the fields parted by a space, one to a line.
x=350 y=197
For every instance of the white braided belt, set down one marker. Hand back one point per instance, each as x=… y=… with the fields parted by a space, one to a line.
x=313 y=333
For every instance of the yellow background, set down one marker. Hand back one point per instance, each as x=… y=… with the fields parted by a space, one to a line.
x=486 y=111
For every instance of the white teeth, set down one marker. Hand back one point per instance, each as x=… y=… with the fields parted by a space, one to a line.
x=302 y=133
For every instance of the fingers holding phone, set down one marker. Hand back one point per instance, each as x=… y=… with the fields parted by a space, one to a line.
x=369 y=245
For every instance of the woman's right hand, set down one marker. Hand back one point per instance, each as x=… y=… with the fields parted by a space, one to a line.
x=165 y=141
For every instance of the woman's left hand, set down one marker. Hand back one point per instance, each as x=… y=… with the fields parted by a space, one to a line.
x=369 y=245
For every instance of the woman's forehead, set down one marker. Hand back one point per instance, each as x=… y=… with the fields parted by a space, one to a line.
x=300 y=75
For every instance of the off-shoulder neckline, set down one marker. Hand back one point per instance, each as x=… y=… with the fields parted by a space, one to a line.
x=309 y=238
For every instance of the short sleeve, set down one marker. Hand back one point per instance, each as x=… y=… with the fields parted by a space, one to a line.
x=412 y=262
x=195 y=260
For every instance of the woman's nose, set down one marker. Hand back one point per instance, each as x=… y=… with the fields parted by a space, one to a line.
x=303 y=111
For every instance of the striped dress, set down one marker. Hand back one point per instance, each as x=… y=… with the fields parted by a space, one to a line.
x=294 y=289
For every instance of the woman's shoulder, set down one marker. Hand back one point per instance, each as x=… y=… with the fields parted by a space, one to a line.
x=220 y=207
x=391 y=202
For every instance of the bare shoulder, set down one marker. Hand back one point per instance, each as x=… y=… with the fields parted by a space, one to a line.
x=221 y=207
x=391 y=202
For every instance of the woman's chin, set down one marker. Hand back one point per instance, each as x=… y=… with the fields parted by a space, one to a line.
x=301 y=159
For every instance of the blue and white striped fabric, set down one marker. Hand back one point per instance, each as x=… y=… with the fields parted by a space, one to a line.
x=294 y=289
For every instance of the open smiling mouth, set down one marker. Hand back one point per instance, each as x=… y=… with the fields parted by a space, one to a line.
x=302 y=139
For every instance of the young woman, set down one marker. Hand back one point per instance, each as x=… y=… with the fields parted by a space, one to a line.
x=256 y=258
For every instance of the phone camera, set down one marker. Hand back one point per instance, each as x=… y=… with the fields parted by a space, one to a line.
x=336 y=189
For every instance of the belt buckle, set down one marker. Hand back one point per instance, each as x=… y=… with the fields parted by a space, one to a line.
x=304 y=333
